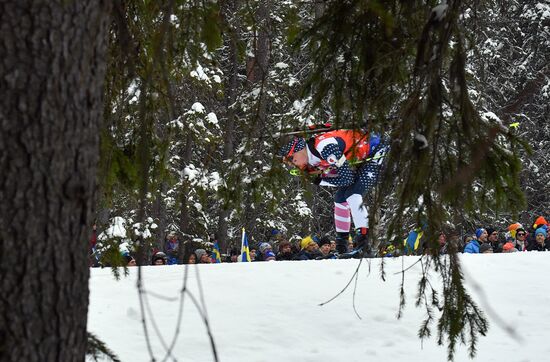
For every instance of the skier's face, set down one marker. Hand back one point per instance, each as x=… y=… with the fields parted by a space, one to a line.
x=299 y=159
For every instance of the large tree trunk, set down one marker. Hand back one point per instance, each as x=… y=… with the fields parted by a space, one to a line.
x=258 y=65
x=229 y=8
x=52 y=65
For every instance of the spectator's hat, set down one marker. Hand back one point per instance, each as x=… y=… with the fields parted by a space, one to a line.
x=324 y=240
x=479 y=232
x=264 y=246
x=306 y=241
x=513 y=229
x=484 y=247
x=199 y=253
x=269 y=255
x=160 y=255
x=542 y=231
x=540 y=221
x=508 y=247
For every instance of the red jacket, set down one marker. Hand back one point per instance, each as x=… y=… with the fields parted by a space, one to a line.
x=356 y=144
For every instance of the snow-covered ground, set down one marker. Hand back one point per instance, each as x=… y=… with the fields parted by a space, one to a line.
x=270 y=311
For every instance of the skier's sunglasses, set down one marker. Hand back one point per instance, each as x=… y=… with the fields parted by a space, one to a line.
x=291 y=152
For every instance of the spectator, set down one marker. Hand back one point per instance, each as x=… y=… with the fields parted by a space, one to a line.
x=171 y=248
x=333 y=246
x=486 y=248
x=285 y=251
x=454 y=243
x=132 y=261
x=202 y=257
x=508 y=247
x=531 y=237
x=388 y=250
x=233 y=255
x=481 y=235
x=442 y=240
x=350 y=245
x=93 y=237
x=467 y=239
x=512 y=229
x=541 y=242
x=191 y=259
x=129 y=259
x=159 y=258
x=265 y=252
x=324 y=249
x=492 y=239
x=473 y=246
x=309 y=249
x=253 y=253
x=521 y=239
x=93 y=255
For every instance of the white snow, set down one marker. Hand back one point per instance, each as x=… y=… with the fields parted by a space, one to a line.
x=199 y=73
x=270 y=311
x=117 y=229
x=197 y=108
x=281 y=65
x=490 y=116
x=190 y=172
x=212 y=118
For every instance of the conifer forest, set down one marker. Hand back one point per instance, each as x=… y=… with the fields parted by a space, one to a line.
x=166 y=116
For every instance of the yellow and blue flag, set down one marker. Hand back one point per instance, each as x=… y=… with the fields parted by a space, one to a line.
x=245 y=251
x=412 y=242
x=217 y=256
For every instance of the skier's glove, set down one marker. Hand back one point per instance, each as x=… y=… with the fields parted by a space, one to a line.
x=317 y=180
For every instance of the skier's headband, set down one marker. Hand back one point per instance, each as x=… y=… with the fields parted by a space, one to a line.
x=295 y=145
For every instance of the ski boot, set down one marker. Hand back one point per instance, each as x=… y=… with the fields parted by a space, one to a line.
x=342 y=243
x=362 y=245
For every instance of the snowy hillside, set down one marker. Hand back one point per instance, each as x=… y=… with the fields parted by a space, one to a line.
x=270 y=311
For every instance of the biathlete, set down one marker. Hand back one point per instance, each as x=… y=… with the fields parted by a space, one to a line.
x=349 y=160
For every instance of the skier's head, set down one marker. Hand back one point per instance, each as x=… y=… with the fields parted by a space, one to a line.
x=294 y=145
x=294 y=152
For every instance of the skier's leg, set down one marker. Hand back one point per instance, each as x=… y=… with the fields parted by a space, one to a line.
x=360 y=217
x=342 y=217
x=342 y=221
x=367 y=178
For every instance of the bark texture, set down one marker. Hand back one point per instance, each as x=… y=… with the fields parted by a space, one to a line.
x=52 y=66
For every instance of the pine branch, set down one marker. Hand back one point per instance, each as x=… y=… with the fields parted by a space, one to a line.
x=98 y=350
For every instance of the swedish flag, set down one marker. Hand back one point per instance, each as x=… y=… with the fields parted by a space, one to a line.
x=216 y=251
x=245 y=251
x=412 y=242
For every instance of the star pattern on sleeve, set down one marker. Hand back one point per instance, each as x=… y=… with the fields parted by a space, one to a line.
x=368 y=175
x=345 y=174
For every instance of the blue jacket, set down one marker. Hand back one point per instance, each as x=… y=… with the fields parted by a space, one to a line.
x=472 y=247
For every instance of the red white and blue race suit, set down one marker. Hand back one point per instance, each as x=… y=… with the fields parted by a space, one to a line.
x=335 y=153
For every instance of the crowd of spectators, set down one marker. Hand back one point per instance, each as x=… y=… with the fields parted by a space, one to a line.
x=515 y=238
